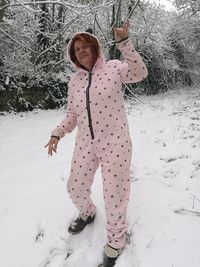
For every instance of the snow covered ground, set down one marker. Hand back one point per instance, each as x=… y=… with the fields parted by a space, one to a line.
x=164 y=211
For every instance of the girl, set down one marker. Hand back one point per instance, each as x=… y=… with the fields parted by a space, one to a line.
x=96 y=106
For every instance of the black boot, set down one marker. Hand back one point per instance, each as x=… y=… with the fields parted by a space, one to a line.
x=110 y=256
x=79 y=224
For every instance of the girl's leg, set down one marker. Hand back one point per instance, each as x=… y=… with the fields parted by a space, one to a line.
x=83 y=167
x=116 y=187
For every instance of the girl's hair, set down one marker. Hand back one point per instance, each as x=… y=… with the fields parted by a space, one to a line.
x=87 y=39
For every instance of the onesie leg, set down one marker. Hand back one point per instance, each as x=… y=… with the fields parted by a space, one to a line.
x=83 y=167
x=116 y=186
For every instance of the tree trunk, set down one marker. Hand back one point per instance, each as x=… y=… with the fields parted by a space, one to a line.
x=3 y=4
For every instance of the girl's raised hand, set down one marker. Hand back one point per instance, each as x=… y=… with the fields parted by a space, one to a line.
x=122 y=32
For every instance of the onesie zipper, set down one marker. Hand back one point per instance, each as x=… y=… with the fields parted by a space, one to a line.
x=88 y=105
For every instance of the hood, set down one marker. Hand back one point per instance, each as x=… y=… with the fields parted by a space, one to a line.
x=100 y=60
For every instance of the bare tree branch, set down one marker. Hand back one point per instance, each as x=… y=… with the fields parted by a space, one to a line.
x=132 y=10
x=20 y=44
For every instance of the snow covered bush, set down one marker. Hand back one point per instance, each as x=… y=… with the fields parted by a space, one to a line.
x=26 y=93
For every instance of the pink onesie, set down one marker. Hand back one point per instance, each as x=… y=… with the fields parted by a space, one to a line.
x=96 y=106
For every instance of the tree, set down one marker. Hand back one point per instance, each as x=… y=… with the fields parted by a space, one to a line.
x=186 y=38
x=33 y=44
x=3 y=4
x=192 y=5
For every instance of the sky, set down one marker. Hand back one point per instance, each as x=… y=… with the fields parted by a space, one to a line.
x=166 y=3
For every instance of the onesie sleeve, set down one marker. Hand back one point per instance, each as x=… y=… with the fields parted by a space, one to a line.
x=68 y=124
x=133 y=70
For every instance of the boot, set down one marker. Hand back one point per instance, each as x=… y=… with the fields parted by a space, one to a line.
x=79 y=224
x=110 y=256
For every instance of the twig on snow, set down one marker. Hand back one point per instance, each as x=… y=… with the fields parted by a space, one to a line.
x=179 y=211
x=149 y=244
x=195 y=198
x=130 y=234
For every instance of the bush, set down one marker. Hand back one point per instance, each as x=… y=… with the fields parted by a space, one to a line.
x=26 y=93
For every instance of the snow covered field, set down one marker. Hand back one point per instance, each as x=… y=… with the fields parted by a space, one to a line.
x=164 y=211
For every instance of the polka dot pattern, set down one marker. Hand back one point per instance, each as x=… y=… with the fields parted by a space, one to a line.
x=110 y=145
x=114 y=158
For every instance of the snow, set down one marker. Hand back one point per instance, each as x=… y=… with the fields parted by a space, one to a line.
x=167 y=4
x=164 y=209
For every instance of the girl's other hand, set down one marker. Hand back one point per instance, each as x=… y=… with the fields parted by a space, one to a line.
x=52 y=145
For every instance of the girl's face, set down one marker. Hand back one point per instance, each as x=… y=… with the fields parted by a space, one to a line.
x=83 y=54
